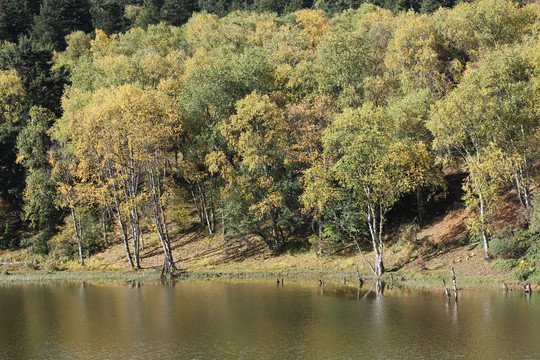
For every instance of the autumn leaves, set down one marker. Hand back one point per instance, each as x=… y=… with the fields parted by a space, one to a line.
x=278 y=126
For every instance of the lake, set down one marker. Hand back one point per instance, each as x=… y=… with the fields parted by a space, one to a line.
x=260 y=320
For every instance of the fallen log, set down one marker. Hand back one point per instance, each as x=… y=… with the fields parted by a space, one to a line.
x=18 y=262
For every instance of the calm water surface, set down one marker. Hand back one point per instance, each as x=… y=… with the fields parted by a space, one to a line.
x=259 y=320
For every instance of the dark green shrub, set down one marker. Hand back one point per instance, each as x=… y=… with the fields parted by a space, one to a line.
x=63 y=246
x=8 y=238
x=468 y=239
x=37 y=242
x=506 y=265
x=534 y=278
x=511 y=243
x=524 y=271
x=534 y=220
x=330 y=241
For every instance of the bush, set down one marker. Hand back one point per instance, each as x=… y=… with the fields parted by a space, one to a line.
x=407 y=235
x=330 y=241
x=37 y=242
x=511 y=244
x=8 y=238
x=534 y=220
x=63 y=246
x=468 y=239
x=534 y=278
x=506 y=265
x=524 y=271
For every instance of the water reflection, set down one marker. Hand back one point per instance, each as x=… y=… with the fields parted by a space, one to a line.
x=259 y=320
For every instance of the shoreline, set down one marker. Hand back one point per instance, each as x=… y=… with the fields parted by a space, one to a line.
x=405 y=280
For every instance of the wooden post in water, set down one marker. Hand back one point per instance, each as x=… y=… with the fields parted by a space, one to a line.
x=446 y=290
x=360 y=281
x=454 y=283
x=505 y=287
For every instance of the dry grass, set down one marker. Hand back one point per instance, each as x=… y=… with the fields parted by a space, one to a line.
x=197 y=252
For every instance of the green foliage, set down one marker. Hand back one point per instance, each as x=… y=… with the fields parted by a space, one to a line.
x=177 y=12
x=15 y=18
x=37 y=242
x=469 y=238
x=534 y=221
x=108 y=15
x=506 y=265
x=511 y=244
x=33 y=63
x=58 y=18
x=182 y=208
x=39 y=195
x=12 y=99
x=63 y=245
x=324 y=118
x=489 y=122
x=9 y=238
x=218 y=7
x=329 y=242
x=524 y=272
x=33 y=141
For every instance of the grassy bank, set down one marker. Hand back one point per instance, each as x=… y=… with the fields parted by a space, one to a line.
x=472 y=271
x=419 y=261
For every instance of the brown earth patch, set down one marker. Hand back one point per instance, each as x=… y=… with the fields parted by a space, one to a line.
x=446 y=230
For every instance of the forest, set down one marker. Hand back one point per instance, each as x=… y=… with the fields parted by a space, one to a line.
x=284 y=120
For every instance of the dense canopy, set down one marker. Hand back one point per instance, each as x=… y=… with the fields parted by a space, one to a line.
x=271 y=118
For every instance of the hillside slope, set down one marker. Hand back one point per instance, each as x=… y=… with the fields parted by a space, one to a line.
x=436 y=249
x=430 y=254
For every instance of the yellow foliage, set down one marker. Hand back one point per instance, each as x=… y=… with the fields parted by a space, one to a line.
x=412 y=54
x=314 y=24
x=11 y=98
x=101 y=43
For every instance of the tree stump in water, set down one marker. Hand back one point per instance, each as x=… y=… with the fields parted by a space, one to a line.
x=454 y=283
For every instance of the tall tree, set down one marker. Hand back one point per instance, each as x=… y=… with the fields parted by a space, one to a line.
x=490 y=121
x=12 y=98
x=33 y=143
x=58 y=18
x=15 y=19
x=108 y=15
x=33 y=63
x=257 y=133
x=364 y=159
x=120 y=142
x=349 y=62
x=217 y=7
x=470 y=29
x=177 y=12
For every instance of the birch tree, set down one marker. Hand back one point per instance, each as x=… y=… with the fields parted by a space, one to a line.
x=363 y=158
x=121 y=143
